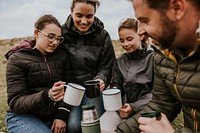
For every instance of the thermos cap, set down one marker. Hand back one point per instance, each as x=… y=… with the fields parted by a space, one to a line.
x=88 y=107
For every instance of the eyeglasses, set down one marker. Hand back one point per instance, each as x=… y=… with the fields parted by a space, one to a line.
x=52 y=37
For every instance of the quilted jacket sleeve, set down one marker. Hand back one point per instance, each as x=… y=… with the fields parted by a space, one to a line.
x=64 y=109
x=19 y=99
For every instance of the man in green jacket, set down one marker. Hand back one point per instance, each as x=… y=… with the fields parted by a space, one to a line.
x=174 y=25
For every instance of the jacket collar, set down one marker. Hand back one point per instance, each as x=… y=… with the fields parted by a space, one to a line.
x=179 y=54
x=139 y=53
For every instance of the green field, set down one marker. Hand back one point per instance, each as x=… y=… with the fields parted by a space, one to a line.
x=4 y=47
x=3 y=104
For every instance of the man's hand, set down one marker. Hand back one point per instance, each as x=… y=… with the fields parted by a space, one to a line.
x=151 y=125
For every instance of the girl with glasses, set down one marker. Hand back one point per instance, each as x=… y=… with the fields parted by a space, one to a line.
x=35 y=77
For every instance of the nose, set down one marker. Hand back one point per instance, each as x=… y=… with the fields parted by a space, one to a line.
x=125 y=44
x=55 y=42
x=84 y=20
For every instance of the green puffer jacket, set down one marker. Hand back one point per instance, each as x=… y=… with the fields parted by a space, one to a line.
x=176 y=87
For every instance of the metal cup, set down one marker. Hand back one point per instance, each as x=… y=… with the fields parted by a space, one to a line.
x=73 y=94
x=92 y=88
x=112 y=99
x=152 y=114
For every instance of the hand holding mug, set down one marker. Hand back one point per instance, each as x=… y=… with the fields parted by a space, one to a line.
x=101 y=84
x=56 y=93
x=155 y=126
x=125 y=111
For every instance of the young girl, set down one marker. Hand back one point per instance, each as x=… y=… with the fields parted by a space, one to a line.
x=35 y=78
x=133 y=71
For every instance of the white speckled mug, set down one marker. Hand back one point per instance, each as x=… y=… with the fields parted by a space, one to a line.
x=112 y=99
x=73 y=94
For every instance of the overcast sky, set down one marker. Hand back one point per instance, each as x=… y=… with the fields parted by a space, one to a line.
x=17 y=17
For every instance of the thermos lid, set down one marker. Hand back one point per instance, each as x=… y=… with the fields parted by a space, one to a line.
x=88 y=107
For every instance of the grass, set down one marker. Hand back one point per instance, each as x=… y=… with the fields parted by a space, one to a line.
x=4 y=47
x=3 y=97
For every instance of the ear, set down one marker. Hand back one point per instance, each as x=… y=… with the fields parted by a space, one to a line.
x=36 y=33
x=178 y=6
x=142 y=37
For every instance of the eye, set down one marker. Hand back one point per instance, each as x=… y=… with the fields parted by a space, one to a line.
x=90 y=16
x=144 y=20
x=130 y=38
x=79 y=15
x=51 y=36
x=121 y=40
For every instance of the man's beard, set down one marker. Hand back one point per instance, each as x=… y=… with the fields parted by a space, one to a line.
x=169 y=32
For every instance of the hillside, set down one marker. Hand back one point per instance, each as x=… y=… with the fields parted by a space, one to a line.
x=8 y=43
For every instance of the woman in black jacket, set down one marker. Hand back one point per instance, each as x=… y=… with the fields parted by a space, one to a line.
x=35 y=78
x=91 y=53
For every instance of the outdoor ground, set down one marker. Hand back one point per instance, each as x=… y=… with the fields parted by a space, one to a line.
x=3 y=105
x=5 y=45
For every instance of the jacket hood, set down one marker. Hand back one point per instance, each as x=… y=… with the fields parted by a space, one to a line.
x=24 y=44
x=69 y=26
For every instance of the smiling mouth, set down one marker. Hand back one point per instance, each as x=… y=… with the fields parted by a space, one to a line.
x=83 y=27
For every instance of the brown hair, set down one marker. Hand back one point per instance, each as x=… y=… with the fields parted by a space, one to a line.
x=132 y=24
x=94 y=3
x=128 y=23
x=44 y=20
x=162 y=5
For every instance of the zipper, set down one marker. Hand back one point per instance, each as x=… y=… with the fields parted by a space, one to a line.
x=175 y=84
x=49 y=70
x=195 y=122
x=50 y=80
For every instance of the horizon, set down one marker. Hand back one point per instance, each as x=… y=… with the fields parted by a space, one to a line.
x=20 y=23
